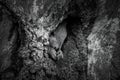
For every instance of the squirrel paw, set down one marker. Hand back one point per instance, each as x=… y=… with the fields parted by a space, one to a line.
x=59 y=55
x=55 y=55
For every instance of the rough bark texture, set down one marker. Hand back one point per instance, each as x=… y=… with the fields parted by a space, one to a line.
x=90 y=50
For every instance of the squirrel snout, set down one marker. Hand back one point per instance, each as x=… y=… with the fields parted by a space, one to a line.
x=52 y=53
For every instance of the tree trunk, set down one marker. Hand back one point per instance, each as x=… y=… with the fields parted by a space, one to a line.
x=86 y=33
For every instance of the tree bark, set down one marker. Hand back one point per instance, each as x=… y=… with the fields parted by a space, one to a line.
x=90 y=50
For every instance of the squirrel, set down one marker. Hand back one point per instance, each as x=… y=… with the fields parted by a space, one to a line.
x=56 y=40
